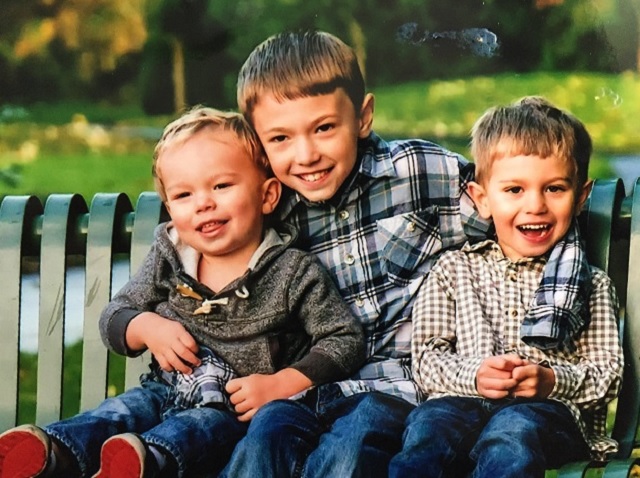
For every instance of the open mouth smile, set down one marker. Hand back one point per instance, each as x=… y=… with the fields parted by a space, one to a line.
x=534 y=229
x=210 y=226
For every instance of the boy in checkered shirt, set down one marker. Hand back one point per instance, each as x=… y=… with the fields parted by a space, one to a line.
x=510 y=392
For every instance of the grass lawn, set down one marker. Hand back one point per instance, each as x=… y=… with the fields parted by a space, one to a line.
x=80 y=147
x=85 y=174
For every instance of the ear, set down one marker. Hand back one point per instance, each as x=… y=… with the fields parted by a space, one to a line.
x=271 y=190
x=366 y=116
x=584 y=194
x=480 y=198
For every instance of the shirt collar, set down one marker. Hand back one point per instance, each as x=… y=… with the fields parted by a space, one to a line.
x=491 y=248
x=190 y=257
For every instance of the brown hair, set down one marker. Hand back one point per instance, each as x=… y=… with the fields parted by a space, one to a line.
x=530 y=126
x=299 y=64
x=199 y=118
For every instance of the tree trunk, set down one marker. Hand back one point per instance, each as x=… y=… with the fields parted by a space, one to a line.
x=178 y=76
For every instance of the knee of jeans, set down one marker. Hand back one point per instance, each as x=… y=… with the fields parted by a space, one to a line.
x=384 y=407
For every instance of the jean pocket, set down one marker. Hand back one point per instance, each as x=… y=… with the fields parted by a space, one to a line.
x=409 y=239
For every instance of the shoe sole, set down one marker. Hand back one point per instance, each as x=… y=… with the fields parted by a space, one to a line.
x=122 y=456
x=24 y=452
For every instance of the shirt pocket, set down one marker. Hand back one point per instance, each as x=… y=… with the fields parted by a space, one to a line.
x=408 y=240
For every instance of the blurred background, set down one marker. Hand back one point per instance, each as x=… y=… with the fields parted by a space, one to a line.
x=87 y=85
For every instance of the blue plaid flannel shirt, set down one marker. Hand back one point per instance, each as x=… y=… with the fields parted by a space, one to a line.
x=205 y=386
x=403 y=205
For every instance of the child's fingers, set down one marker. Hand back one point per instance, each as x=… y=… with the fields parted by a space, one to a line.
x=189 y=342
x=245 y=417
x=233 y=386
x=187 y=356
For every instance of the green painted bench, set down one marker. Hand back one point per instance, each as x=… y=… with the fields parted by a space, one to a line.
x=66 y=230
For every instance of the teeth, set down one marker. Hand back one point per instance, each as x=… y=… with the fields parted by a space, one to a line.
x=534 y=227
x=314 y=176
x=210 y=225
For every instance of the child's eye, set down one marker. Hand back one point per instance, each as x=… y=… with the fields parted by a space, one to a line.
x=325 y=127
x=181 y=195
x=221 y=186
x=278 y=139
x=514 y=189
x=556 y=189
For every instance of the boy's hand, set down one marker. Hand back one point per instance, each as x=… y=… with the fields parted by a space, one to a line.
x=173 y=347
x=248 y=394
x=494 y=378
x=534 y=381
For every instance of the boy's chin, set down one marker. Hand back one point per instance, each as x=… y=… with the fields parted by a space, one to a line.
x=318 y=195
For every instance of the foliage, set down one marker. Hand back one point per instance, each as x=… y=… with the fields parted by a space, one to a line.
x=60 y=48
x=140 y=50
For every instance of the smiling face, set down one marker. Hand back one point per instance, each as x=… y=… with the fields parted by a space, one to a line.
x=216 y=194
x=311 y=141
x=532 y=201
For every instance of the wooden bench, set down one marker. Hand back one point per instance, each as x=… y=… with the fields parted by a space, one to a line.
x=66 y=230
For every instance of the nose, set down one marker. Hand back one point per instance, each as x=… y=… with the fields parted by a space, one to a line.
x=306 y=151
x=536 y=203
x=204 y=201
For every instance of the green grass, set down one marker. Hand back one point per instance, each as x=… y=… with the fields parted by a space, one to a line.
x=84 y=174
x=609 y=105
x=65 y=147
x=71 y=382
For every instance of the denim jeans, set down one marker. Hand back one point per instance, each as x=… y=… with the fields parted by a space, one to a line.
x=201 y=439
x=325 y=434
x=467 y=436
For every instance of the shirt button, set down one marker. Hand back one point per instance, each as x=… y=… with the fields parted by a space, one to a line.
x=411 y=226
x=349 y=259
x=514 y=312
x=359 y=302
x=513 y=277
x=344 y=214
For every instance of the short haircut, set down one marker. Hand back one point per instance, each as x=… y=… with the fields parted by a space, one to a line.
x=530 y=126
x=299 y=64
x=199 y=118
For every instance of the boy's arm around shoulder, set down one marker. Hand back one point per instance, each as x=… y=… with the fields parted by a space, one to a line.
x=594 y=377
x=337 y=338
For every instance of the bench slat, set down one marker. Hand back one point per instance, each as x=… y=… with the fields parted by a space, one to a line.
x=17 y=214
x=61 y=215
x=149 y=213
x=105 y=223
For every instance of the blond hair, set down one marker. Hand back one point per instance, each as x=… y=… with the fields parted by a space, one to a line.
x=530 y=126
x=299 y=64
x=199 y=118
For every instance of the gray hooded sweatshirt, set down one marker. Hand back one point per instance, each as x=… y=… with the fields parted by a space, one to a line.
x=283 y=312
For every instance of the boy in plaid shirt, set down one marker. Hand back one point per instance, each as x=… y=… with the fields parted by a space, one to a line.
x=511 y=394
x=377 y=214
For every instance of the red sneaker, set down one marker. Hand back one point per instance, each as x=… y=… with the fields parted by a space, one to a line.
x=24 y=452
x=123 y=456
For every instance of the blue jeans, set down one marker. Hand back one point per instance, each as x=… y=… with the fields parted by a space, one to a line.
x=325 y=434
x=467 y=436
x=199 y=439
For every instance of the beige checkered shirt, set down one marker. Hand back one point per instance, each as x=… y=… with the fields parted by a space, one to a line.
x=471 y=307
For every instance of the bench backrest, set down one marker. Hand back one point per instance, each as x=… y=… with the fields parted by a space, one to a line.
x=65 y=229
